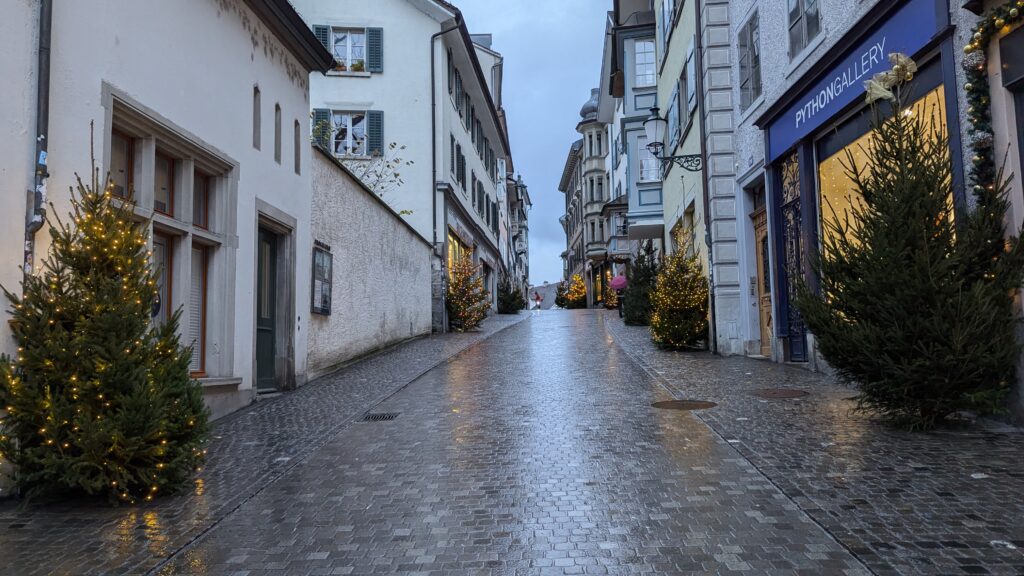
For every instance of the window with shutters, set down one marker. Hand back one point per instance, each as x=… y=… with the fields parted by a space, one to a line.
x=197 y=309
x=474 y=186
x=453 y=158
x=189 y=189
x=675 y=121
x=750 y=63
x=348 y=133
x=804 y=24
x=451 y=73
x=349 y=48
x=459 y=101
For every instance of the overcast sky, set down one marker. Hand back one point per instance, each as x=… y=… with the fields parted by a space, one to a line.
x=552 y=53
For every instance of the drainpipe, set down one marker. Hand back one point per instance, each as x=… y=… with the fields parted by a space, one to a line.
x=699 y=52
x=37 y=214
x=433 y=132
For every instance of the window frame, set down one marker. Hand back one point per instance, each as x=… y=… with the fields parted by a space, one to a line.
x=320 y=253
x=652 y=74
x=802 y=21
x=171 y=169
x=349 y=31
x=129 y=162
x=349 y=138
x=749 y=49
x=207 y=180
x=166 y=272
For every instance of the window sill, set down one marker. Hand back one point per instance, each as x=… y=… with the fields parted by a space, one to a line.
x=746 y=114
x=353 y=157
x=210 y=383
x=348 y=74
x=804 y=54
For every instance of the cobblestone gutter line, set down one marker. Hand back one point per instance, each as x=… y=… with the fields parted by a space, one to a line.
x=248 y=451
x=946 y=502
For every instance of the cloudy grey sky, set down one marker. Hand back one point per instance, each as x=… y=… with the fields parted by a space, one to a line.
x=552 y=52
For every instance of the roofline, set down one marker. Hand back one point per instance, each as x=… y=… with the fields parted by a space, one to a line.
x=570 y=162
x=286 y=24
x=475 y=61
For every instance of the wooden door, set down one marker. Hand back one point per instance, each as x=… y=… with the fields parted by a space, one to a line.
x=266 y=312
x=764 y=287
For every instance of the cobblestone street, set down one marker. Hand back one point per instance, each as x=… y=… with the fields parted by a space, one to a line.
x=532 y=448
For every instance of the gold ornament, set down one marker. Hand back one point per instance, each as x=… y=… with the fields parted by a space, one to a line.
x=968 y=87
x=1014 y=13
x=978 y=36
x=1000 y=22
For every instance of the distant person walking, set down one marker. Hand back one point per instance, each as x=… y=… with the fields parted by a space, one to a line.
x=537 y=299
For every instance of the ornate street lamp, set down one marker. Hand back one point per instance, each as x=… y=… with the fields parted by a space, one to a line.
x=655 y=128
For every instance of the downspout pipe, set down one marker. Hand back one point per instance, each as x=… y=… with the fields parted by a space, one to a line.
x=699 y=51
x=37 y=196
x=433 y=130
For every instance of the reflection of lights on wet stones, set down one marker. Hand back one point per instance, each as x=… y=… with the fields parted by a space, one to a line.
x=780 y=393
x=684 y=405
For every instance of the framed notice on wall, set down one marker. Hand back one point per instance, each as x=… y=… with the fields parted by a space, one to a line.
x=323 y=263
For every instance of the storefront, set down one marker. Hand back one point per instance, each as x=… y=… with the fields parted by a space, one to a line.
x=810 y=131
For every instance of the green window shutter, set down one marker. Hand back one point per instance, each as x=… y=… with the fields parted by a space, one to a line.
x=323 y=34
x=322 y=127
x=375 y=132
x=375 y=49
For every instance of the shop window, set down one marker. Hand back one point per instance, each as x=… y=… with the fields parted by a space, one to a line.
x=323 y=264
x=804 y=24
x=456 y=251
x=838 y=195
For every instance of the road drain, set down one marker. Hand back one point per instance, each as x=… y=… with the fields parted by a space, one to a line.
x=684 y=405
x=379 y=417
x=779 y=393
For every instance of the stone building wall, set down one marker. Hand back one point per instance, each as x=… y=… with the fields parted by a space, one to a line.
x=381 y=280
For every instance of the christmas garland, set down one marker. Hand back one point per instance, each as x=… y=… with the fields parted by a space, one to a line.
x=979 y=109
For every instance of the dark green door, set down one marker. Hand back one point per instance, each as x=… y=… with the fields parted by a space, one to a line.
x=266 y=312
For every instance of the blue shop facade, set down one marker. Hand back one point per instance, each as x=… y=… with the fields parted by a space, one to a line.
x=810 y=130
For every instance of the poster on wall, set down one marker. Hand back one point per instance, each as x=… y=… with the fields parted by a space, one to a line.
x=323 y=262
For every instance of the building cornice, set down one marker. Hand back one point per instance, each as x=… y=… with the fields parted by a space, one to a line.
x=292 y=31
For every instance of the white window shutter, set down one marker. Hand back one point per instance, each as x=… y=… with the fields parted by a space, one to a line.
x=197 y=301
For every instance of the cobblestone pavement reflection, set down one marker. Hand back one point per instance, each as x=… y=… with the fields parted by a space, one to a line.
x=248 y=451
x=946 y=502
x=535 y=452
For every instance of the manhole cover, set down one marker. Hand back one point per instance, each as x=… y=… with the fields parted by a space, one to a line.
x=779 y=393
x=380 y=417
x=684 y=405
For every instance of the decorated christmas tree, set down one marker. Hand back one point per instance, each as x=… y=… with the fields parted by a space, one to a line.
x=679 y=315
x=915 y=302
x=611 y=297
x=576 y=296
x=636 y=302
x=561 y=300
x=99 y=399
x=467 y=300
x=510 y=298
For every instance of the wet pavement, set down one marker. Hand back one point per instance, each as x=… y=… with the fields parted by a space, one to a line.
x=249 y=450
x=946 y=502
x=532 y=448
x=534 y=452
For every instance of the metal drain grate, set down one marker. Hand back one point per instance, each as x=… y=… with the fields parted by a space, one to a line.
x=780 y=393
x=684 y=405
x=379 y=416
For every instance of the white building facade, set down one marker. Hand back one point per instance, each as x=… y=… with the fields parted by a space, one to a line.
x=221 y=169
x=451 y=129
